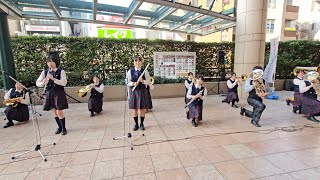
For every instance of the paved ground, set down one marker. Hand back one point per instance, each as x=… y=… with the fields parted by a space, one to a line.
x=171 y=148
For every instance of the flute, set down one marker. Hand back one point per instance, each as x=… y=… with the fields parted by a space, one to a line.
x=199 y=93
x=140 y=77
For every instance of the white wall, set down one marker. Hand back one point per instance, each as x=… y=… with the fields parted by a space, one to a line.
x=277 y=15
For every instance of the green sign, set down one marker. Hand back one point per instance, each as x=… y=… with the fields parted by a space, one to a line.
x=115 y=33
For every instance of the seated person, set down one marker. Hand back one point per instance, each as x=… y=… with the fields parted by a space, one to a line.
x=19 y=109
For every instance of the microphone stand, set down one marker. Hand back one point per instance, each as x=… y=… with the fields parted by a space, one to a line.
x=34 y=118
x=129 y=136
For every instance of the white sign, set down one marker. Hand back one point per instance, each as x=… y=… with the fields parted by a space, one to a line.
x=270 y=70
x=174 y=64
x=43 y=28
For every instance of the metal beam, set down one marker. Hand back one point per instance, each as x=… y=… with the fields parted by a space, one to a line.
x=161 y=17
x=206 y=25
x=10 y=10
x=103 y=22
x=95 y=4
x=134 y=6
x=211 y=5
x=187 y=21
x=190 y=8
x=230 y=25
x=54 y=9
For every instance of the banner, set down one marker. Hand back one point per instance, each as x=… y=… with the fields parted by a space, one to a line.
x=270 y=70
x=115 y=33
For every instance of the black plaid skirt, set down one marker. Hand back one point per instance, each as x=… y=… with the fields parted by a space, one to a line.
x=138 y=99
x=95 y=104
x=19 y=113
x=232 y=96
x=55 y=99
x=297 y=99
x=195 y=110
x=150 y=106
x=309 y=106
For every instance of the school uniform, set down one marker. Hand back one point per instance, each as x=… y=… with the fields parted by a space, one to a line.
x=20 y=112
x=196 y=107
x=255 y=101
x=95 y=100
x=232 y=95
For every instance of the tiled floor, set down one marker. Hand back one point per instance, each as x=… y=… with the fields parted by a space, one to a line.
x=224 y=146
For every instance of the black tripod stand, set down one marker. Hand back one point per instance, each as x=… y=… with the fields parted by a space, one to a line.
x=34 y=120
x=127 y=136
x=219 y=76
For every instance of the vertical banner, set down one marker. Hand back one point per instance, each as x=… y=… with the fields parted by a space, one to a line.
x=270 y=70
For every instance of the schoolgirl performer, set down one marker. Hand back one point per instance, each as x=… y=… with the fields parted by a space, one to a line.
x=95 y=100
x=19 y=110
x=138 y=99
x=188 y=83
x=232 y=95
x=54 y=80
x=196 y=94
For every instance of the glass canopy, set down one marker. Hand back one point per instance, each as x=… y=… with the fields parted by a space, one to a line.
x=165 y=15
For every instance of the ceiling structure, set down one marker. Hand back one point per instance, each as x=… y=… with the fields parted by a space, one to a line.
x=164 y=15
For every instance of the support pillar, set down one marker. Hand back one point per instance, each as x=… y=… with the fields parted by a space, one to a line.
x=250 y=37
x=6 y=55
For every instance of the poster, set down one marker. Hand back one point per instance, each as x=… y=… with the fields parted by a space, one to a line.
x=174 y=64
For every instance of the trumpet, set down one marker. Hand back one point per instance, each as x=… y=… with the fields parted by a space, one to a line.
x=82 y=92
x=12 y=102
x=151 y=83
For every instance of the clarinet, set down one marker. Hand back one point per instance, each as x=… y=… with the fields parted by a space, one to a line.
x=193 y=99
x=45 y=85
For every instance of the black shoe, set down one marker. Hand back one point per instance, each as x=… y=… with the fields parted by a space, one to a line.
x=64 y=132
x=135 y=127
x=58 y=131
x=295 y=109
x=142 y=127
x=312 y=118
x=194 y=124
x=288 y=102
x=242 y=111
x=224 y=101
x=255 y=124
x=91 y=115
x=235 y=106
x=8 y=125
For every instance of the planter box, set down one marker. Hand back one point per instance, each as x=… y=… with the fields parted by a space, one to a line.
x=118 y=93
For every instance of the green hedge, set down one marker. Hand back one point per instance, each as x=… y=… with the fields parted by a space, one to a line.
x=295 y=53
x=106 y=56
x=110 y=56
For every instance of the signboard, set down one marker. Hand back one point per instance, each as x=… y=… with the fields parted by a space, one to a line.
x=115 y=33
x=43 y=28
x=174 y=64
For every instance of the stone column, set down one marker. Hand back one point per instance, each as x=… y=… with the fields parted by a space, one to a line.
x=250 y=37
x=6 y=57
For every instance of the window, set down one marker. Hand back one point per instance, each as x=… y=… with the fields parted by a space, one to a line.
x=272 y=4
x=270 y=25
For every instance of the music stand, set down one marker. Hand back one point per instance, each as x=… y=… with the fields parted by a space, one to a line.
x=129 y=136
x=33 y=117
x=220 y=92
